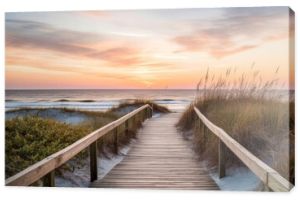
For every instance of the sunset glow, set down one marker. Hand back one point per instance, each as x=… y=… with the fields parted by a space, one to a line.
x=144 y=49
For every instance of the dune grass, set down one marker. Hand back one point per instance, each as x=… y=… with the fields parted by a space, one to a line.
x=140 y=102
x=251 y=112
x=31 y=138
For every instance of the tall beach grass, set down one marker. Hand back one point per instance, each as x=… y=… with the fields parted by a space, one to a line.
x=252 y=111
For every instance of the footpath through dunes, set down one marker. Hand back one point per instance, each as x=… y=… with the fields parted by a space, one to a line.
x=160 y=158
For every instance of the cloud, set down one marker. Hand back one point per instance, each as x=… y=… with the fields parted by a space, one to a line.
x=235 y=30
x=118 y=56
x=53 y=66
x=30 y=62
x=36 y=35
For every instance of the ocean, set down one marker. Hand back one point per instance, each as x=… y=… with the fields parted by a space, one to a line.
x=94 y=100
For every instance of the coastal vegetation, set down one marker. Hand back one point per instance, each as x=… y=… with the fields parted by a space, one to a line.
x=38 y=133
x=30 y=139
x=253 y=112
x=139 y=102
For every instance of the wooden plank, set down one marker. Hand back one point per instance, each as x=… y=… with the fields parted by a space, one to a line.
x=196 y=174
x=162 y=163
x=202 y=174
x=160 y=185
x=266 y=174
x=169 y=182
x=166 y=169
x=180 y=155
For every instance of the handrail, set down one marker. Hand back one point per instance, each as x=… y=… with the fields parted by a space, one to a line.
x=271 y=178
x=42 y=168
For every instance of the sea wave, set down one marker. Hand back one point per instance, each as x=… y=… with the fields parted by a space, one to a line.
x=68 y=100
x=89 y=104
x=97 y=106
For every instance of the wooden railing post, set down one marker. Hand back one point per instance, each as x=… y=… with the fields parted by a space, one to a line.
x=142 y=116
x=132 y=124
x=202 y=129
x=138 y=118
x=145 y=114
x=206 y=134
x=149 y=112
x=221 y=159
x=116 y=146
x=93 y=161
x=49 y=179
x=127 y=127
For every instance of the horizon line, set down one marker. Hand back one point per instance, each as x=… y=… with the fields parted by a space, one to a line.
x=126 y=89
x=100 y=89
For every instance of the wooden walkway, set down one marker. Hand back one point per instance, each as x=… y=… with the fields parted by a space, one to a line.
x=160 y=158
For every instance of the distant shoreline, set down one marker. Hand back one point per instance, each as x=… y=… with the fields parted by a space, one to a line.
x=169 y=89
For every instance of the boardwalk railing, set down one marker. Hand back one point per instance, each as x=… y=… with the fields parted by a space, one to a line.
x=271 y=178
x=45 y=168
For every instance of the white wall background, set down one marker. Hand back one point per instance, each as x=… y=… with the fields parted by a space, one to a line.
x=104 y=194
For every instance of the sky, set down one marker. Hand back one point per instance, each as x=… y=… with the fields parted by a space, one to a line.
x=145 y=49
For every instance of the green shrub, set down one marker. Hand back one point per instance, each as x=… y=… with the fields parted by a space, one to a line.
x=31 y=139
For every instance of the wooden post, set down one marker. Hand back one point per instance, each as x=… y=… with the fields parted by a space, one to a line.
x=130 y=127
x=100 y=144
x=137 y=119
x=149 y=112
x=133 y=126
x=142 y=116
x=205 y=133
x=48 y=180
x=116 y=146
x=132 y=122
x=201 y=134
x=221 y=159
x=126 y=127
x=145 y=113
x=93 y=162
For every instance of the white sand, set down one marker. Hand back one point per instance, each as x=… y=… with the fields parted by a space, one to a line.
x=237 y=179
x=80 y=177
